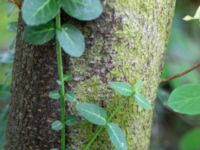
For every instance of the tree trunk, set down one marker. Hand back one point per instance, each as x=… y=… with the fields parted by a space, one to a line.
x=126 y=43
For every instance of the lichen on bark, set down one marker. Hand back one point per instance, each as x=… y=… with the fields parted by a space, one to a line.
x=126 y=44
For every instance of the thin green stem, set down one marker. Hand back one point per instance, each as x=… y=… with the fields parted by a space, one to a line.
x=62 y=86
x=100 y=129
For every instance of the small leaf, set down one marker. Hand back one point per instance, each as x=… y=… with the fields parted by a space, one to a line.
x=83 y=9
x=122 y=88
x=71 y=40
x=138 y=86
x=92 y=113
x=142 y=101
x=117 y=136
x=188 y=18
x=71 y=120
x=59 y=82
x=186 y=99
x=12 y=27
x=68 y=77
x=57 y=125
x=39 y=35
x=36 y=12
x=197 y=14
x=54 y=95
x=190 y=141
x=54 y=149
x=70 y=96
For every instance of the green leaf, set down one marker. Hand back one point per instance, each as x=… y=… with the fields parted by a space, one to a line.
x=54 y=95
x=71 y=40
x=190 y=141
x=117 y=136
x=39 y=35
x=142 y=101
x=68 y=77
x=71 y=120
x=83 y=9
x=186 y=99
x=57 y=125
x=138 y=86
x=122 y=88
x=36 y=12
x=54 y=149
x=12 y=27
x=59 y=82
x=70 y=96
x=92 y=113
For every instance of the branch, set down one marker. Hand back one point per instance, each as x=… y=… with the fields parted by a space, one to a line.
x=180 y=74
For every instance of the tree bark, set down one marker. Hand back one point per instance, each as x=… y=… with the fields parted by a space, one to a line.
x=126 y=43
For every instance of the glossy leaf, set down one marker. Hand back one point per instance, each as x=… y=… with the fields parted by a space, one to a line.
x=83 y=9
x=186 y=99
x=70 y=96
x=71 y=120
x=92 y=113
x=71 y=40
x=190 y=141
x=54 y=95
x=57 y=125
x=117 y=136
x=39 y=35
x=36 y=12
x=142 y=101
x=122 y=88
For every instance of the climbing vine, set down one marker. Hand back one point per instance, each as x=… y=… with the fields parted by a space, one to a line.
x=43 y=20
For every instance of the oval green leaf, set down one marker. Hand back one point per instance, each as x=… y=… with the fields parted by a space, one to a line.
x=57 y=125
x=71 y=40
x=39 y=35
x=185 y=99
x=142 y=101
x=70 y=96
x=71 y=120
x=92 y=113
x=117 y=136
x=190 y=141
x=83 y=9
x=54 y=95
x=122 y=88
x=36 y=12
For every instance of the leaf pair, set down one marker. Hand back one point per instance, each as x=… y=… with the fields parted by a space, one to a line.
x=69 y=37
x=125 y=89
x=37 y=12
x=98 y=116
x=57 y=125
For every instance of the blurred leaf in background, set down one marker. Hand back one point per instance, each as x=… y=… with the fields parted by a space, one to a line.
x=8 y=27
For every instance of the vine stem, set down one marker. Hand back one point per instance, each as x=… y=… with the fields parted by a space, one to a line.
x=181 y=74
x=100 y=129
x=62 y=86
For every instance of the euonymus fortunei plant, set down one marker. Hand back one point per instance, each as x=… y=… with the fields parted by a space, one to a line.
x=43 y=21
x=185 y=99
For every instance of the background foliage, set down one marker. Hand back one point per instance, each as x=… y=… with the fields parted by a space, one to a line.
x=169 y=129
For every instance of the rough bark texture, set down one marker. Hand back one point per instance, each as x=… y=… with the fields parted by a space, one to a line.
x=126 y=43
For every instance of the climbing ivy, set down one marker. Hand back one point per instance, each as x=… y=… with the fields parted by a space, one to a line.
x=43 y=20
